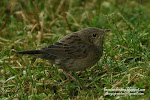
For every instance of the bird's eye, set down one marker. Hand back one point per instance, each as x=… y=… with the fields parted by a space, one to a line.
x=94 y=35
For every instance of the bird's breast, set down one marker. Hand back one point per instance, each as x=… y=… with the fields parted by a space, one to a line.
x=91 y=59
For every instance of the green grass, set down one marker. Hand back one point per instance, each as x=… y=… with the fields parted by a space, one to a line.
x=27 y=25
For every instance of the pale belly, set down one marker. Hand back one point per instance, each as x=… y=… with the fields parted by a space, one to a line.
x=82 y=64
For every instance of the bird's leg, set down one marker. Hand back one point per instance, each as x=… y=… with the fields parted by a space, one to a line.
x=79 y=73
x=69 y=75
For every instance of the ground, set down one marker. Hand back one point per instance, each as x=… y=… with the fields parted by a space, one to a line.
x=28 y=25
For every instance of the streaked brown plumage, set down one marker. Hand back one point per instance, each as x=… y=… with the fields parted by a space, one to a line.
x=76 y=51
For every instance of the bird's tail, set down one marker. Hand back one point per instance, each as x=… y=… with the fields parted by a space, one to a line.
x=31 y=52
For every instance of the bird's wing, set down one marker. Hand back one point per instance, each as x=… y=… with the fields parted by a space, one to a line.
x=71 y=46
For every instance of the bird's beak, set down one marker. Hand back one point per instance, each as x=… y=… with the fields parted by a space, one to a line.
x=107 y=30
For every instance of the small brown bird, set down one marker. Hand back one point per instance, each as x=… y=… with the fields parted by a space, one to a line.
x=74 y=52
